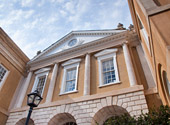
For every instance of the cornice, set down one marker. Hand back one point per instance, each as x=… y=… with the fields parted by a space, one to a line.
x=10 y=44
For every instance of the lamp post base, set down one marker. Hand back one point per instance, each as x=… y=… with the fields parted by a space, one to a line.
x=29 y=115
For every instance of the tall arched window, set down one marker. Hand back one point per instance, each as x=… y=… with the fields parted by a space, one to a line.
x=167 y=83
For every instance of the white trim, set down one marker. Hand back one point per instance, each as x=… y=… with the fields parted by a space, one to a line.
x=144 y=34
x=42 y=70
x=4 y=77
x=39 y=73
x=73 y=63
x=103 y=56
x=112 y=83
x=52 y=83
x=75 y=91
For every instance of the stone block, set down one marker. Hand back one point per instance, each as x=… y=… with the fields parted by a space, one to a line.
x=103 y=102
x=67 y=108
x=80 y=103
x=137 y=107
x=84 y=106
x=144 y=106
x=96 y=101
x=142 y=97
x=74 y=104
x=129 y=94
x=131 y=103
x=124 y=105
x=92 y=114
x=93 y=105
x=138 y=93
x=99 y=106
x=109 y=100
x=119 y=103
x=89 y=110
x=133 y=98
x=129 y=109
x=90 y=102
x=62 y=108
x=58 y=109
x=95 y=110
x=115 y=100
x=121 y=96
x=126 y=99
x=84 y=103
x=143 y=101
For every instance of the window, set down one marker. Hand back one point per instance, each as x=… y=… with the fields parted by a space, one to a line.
x=3 y=74
x=108 y=71
x=40 y=80
x=70 y=76
x=70 y=80
x=107 y=65
x=144 y=33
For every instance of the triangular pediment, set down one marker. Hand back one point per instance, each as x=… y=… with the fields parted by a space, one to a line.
x=74 y=39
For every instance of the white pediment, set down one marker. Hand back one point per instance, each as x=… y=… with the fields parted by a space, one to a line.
x=79 y=38
x=106 y=52
x=71 y=61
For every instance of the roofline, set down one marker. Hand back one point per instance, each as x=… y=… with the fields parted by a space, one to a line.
x=42 y=59
x=71 y=33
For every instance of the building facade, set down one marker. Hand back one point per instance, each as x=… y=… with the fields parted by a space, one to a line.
x=85 y=78
x=12 y=70
x=151 y=22
x=89 y=76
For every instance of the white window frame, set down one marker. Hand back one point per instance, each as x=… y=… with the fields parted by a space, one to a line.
x=105 y=55
x=5 y=76
x=73 y=63
x=39 y=73
x=144 y=34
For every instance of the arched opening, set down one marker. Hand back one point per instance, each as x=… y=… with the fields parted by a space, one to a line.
x=22 y=122
x=162 y=86
x=106 y=112
x=62 y=119
x=166 y=85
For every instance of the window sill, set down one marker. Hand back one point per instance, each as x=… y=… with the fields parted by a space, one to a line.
x=109 y=84
x=65 y=93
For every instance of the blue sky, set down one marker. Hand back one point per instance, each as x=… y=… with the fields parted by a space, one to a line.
x=35 y=24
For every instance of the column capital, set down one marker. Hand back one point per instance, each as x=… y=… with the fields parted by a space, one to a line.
x=125 y=43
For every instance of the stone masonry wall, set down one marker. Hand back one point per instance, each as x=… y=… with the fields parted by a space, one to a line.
x=84 y=112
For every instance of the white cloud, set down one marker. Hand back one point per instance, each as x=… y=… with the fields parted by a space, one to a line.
x=34 y=25
x=27 y=3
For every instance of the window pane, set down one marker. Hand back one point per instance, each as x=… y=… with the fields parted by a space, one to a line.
x=71 y=74
x=71 y=79
x=2 y=73
x=41 y=82
x=108 y=72
x=70 y=86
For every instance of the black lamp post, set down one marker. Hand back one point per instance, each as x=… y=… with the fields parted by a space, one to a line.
x=33 y=100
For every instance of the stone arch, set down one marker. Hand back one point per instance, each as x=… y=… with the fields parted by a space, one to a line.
x=106 y=112
x=23 y=120
x=62 y=119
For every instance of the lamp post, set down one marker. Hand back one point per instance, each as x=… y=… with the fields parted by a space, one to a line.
x=33 y=100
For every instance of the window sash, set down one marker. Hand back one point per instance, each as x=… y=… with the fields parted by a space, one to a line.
x=41 y=83
x=108 y=71
x=70 y=80
x=3 y=73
